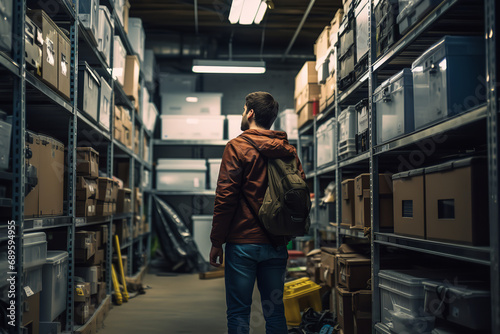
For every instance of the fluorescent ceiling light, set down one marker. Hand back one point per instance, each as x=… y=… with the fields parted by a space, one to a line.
x=247 y=11
x=229 y=66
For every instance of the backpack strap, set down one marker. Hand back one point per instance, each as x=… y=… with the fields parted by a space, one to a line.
x=271 y=240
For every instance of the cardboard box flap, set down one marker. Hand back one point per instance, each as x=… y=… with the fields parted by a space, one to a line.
x=408 y=174
x=313 y=252
x=347 y=189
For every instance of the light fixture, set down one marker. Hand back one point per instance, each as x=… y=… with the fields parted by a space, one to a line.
x=247 y=11
x=228 y=66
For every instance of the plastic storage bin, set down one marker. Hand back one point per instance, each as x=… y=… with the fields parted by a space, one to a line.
x=105 y=34
x=6 y=25
x=361 y=13
x=32 y=280
x=202 y=226
x=325 y=136
x=177 y=83
x=347 y=132
x=55 y=285
x=301 y=292
x=34 y=249
x=213 y=170
x=88 y=13
x=386 y=12
x=88 y=90
x=180 y=127
x=181 y=174
x=149 y=116
x=413 y=11
x=404 y=323
x=394 y=102
x=191 y=104
x=119 y=60
x=469 y=306
x=105 y=95
x=233 y=126
x=287 y=121
x=136 y=36
x=445 y=78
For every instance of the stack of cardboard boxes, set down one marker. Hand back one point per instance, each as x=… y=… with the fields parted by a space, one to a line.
x=107 y=196
x=87 y=191
x=307 y=93
x=123 y=126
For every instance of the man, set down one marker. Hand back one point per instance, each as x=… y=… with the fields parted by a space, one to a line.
x=250 y=253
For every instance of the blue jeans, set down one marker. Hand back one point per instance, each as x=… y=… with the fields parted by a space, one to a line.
x=245 y=263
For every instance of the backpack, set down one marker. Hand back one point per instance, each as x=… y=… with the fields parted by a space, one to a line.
x=286 y=205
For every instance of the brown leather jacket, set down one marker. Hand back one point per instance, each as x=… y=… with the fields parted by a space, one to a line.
x=243 y=172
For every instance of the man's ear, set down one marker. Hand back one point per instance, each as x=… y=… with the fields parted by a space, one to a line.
x=250 y=114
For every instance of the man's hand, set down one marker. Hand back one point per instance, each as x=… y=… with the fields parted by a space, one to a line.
x=214 y=253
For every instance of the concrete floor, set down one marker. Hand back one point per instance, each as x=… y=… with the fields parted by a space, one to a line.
x=178 y=304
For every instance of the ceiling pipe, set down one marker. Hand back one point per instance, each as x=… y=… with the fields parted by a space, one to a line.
x=196 y=16
x=299 y=28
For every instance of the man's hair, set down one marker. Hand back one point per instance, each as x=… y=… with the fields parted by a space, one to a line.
x=264 y=106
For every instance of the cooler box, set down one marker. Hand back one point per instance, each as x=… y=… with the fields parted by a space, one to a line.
x=191 y=104
x=119 y=60
x=466 y=305
x=105 y=99
x=233 y=126
x=446 y=78
x=181 y=174
x=149 y=116
x=6 y=25
x=136 y=36
x=202 y=227
x=88 y=90
x=325 y=137
x=287 y=121
x=456 y=201
x=298 y=295
x=88 y=13
x=410 y=12
x=394 y=102
x=347 y=132
x=34 y=249
x=213 y=170
x=105 y=34
x=55 y=285
x=180 y=127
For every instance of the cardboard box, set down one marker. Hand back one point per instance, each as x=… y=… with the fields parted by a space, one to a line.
x=85 y=208
x=335 y=26
x=306 y=75
x=118 y=124
x=137 y=199
x=328 y=265
x=131 y=85
x=85 y=245
x=344 y=310
x=306 y=115
x=51 y=177
x=63 y=66
x=31 y=312
x=310 y=93
x=82 y=311
x=313 y=265
x=103 y=209
x=322 y=98
x=409 y=203
x=32 y=145
x=353 y=272
x=362 y=311
x=126 y=9
x=95 y=260
x=86 y=188
x=348 y=201
x=87 y=162
x=82 y=292
x=362 y=214
x=337 y=265
x=136 y=140
x=105 y=185
x=114 y=191
x=121 y=229
x=456 y=195
x=322 y=45
x=126 y=128
x=330 y=86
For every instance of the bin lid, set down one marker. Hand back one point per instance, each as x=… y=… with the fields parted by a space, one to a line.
x=410 y=277
x=462 y=289
x=214 y=161
x=34 y=238
x=202 y=217
x=54 y=257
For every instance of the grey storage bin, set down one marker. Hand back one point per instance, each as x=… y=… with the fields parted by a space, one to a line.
x=136 y=36
x=5 y=135
x=413 y=12
x=361 y=13
x=393 y=100
x=403 y=323
x=191 y=104
x=325 y=135
x=346 y=35
x=55 y=285
x=347 y=132
x=6 y=25
x=88 y=13
x=32 y=280
x=446 y=79
x=34 y=249
x=465 y=304
x=50 y=327
x=181 y=174
x=213 y=170
x=202 y=225
x=105 y=40
x=105 y=99
x=88 y=90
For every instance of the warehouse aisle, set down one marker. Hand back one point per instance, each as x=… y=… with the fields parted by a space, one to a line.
x=178 y=304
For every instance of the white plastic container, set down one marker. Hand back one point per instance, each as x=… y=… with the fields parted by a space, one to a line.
x=322 y=69
x=180 y=127
x=34 y=249
x=446 y=79
x=362 y=116
x=89 y=274
x=411 y=324
x=55 y=285
x=233 y=126
x=105 y=96
x=88 y=90
x=361 y=12
x=149 y=116
x=181 y=174
x=119 y=59
x=6 y=25
x=88 y=13
x=119 y=7
x=325 y=136
x=136 y=36
x=347 y=132
x=213 y=170
x=202 y=226
x=394 y=102
x=191 y=104
x=287 y=121
x=32 y=280
x=105 y=33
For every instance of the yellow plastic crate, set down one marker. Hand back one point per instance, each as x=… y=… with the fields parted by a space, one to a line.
x=299 y=295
